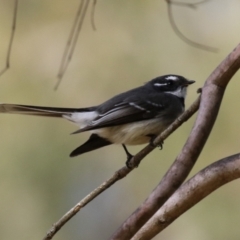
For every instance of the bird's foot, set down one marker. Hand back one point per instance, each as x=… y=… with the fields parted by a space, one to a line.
x=129 y=157
x=160 y=145
x=128 y=162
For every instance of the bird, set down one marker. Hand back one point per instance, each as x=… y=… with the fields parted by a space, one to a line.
x=133 y=117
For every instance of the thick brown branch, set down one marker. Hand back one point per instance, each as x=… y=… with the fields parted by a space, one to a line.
x=212 y=94
x=190 y=193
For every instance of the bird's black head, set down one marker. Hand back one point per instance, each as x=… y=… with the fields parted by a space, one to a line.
x=172 y=84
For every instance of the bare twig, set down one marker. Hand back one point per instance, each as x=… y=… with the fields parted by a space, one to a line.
x=123 y=171
x=7 y=66
x=190 y=193
x=93 y=14
x=72 y=40
x=186 y=4
x=179 y=33
x=211 y=98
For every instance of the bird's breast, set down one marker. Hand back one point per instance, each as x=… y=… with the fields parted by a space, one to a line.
x=132 y=133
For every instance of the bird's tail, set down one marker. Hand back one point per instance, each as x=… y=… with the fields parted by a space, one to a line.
x=40 y=111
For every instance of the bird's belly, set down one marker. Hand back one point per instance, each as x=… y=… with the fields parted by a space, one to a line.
x=132 y=133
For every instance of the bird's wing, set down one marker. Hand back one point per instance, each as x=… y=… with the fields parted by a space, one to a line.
x=126 y=112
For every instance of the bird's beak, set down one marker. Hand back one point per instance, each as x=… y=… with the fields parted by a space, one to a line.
x=188 y=82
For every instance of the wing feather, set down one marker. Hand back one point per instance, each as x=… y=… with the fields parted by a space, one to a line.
x=126 y=112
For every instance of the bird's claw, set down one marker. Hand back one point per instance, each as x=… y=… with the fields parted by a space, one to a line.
x=128 y=162
x=159 y=145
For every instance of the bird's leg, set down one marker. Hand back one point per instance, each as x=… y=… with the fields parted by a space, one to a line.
x=152 y=138
x=129 y=156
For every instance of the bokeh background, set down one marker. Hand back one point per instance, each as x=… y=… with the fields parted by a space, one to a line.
x=134 y=43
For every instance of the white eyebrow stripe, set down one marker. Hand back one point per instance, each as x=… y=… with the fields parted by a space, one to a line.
x=174 y=78
x=160 y=84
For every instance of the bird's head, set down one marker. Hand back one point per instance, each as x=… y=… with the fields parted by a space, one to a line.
x=172 y=84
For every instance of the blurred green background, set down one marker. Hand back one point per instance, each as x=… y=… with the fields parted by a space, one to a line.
x=134 y=43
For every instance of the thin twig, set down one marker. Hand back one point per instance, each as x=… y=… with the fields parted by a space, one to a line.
x=93 y=15
x=70 y=47
x=186 y=4
x=70 y=38
x=180 y=34
x=81 y=20
x=134 y=162
x=7 y=66
x=190 y=193
x=66 y=217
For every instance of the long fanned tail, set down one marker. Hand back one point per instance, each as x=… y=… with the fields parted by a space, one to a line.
x=39 y=111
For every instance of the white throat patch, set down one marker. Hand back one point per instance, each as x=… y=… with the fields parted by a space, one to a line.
x=180 y=92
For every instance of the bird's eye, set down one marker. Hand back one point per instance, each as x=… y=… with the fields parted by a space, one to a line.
x=170 y=82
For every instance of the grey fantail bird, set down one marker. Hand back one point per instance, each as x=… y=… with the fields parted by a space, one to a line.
x=129 y=118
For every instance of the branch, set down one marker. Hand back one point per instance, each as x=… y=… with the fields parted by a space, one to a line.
x=121 y=173
x=190 y=193
x=186 y=4
x=72 y=40
x=93 y=15
x=212 y=94
x=7 y=66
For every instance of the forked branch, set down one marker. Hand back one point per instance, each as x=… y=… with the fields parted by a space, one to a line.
x=190 y=193
x=212 y=94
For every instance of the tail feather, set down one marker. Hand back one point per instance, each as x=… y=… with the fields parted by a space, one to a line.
x=94 y=142
x=39 y=111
